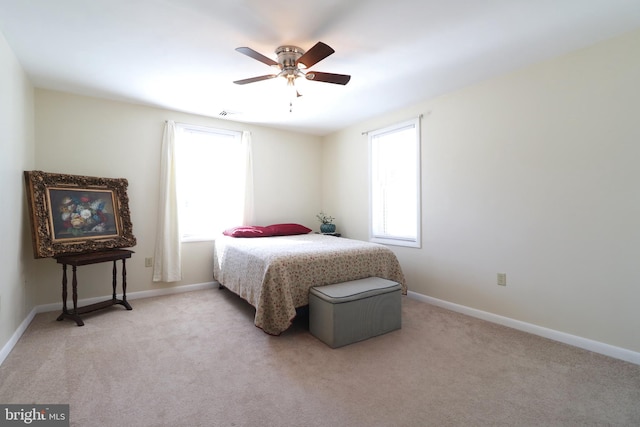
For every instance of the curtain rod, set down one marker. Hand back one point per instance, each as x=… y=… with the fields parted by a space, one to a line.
x=178 y=123
x=417 y=117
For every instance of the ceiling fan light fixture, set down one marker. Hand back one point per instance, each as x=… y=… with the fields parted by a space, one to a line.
x=291 y=82
x=291 y=62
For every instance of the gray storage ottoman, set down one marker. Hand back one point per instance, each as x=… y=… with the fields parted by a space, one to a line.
x=348 y=312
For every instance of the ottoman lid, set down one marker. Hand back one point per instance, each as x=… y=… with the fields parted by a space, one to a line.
x=355 y=289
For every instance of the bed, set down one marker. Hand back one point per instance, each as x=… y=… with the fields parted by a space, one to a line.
x=274 y=274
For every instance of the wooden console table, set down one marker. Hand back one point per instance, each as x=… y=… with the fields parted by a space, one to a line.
x=86 y=259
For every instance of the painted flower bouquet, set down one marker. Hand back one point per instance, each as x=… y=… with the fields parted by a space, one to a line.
x=81 y=214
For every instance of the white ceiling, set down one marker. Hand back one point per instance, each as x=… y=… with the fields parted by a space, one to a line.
x=179 y=54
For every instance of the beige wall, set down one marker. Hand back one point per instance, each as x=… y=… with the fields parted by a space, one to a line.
x=534 y=174
x=17 y=154
x=96 y=137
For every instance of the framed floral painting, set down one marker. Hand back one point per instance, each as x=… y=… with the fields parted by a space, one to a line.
x=76 y=214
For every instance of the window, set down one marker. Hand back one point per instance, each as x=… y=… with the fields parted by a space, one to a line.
x=394 y=184
x=210 y=181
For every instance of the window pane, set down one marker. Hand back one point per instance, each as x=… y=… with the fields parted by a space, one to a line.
x=395 y=179
x=210 y=170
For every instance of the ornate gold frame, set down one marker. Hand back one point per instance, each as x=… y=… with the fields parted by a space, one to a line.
x=51 y=239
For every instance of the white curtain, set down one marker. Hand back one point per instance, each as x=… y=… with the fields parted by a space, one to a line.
x=248 y=212
x=167 y=266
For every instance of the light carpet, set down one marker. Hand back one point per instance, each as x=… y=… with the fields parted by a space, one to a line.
x=196 y=359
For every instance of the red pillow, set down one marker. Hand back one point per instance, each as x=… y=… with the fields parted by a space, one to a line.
x=287 y=229
x=248 y=231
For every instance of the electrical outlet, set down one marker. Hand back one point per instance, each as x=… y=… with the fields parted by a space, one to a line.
x=502 y=279
x=148 y=262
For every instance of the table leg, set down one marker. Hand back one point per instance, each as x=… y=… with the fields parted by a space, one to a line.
x=124 y=285
x=115 y=273
x=64 y=292
x=74 y=294
x=74 y=289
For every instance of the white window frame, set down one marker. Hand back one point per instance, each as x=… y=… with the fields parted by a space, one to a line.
x=376 y=234
x=237 y=135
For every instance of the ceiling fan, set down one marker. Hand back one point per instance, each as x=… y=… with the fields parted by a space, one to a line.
x=293 y=62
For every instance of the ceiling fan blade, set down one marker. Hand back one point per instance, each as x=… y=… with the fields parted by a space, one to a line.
x=255 y=55
x=314 y=55
x=340 y=79
x=255 y=79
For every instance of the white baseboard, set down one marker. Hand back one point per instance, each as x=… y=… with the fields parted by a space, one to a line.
x=4 y=352
x=584 y=343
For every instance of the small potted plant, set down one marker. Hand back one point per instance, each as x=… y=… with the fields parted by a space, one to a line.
x=326 y=223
